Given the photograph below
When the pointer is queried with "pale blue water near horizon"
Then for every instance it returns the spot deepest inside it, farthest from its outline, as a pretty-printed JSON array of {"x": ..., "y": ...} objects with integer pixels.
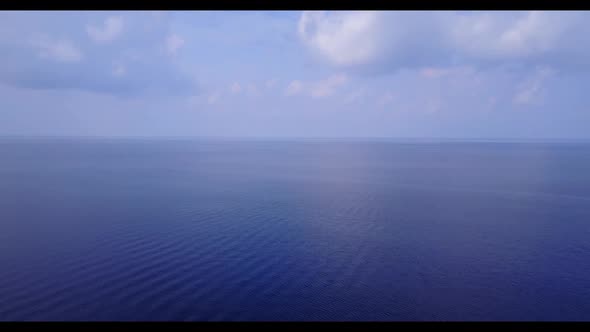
[{"x": 179, "y": 229}]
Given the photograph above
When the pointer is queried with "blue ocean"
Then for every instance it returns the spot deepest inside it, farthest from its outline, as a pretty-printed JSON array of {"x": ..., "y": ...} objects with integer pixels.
[{"x": 333, "y": 230}]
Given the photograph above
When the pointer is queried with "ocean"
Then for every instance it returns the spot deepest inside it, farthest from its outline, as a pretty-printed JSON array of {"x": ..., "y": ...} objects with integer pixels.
[{"x": 196, "y": 229}]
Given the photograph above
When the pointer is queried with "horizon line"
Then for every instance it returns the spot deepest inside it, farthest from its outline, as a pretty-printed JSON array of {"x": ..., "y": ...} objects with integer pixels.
[{"x": 300, "y": 138}]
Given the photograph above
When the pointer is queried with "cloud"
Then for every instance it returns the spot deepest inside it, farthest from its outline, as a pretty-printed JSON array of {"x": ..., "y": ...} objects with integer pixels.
[
  {"x": 58, "y": 50},
  {"x": 109, "y": 31},
  {"x": 119, "y": 70},
  {"x": 327, "y": 87},
  {"x": 213, "y": 98},
  {"x": 271, "y": 83},
  {"x": 173, "y": 44},
  {"x": 135, "y": 67},
  {"x": 317, "y": 89},
  {"x": 386, "y": 98},
  {"x": 387, "y": 41},
  {"x": 529, "y": 91},
  {"x": 235, "y": 87},
  {"x": 340, "y": 38},
  {"x": 430, "y": 72},
  {"x": 295, "y": 87},
  {"x": 519, "y": 35},
  {"x": 252, "y": 90},
  {"x": 357, "y": 39},
  {"x": 355, "y": 96}
]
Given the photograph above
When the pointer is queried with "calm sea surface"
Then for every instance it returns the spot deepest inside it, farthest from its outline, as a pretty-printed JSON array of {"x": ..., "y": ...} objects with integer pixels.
[{"x": 138, "y": 229}]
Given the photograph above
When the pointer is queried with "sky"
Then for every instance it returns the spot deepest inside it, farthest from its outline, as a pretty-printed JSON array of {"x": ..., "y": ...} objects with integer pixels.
[{"x": 404, "y": 74}]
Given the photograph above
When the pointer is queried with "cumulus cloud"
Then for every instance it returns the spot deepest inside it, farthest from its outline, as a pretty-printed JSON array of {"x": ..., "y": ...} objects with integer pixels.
[
  {"x": 529, "y": 92},
  {"x": 353, "y": 39},
  {"x": 385, "y": 99},
  {"x": 393, "y": 40},
  {"x": 430, "y": 72},
  {"x": 355, "y": 96},
  {"x": 137, "y": 69},
  {"x": 327, "y": 87},
  {"x": 213, "y": 98},
  {"x": 520, "y": 35},
  {"x": 271, "y": 83},
  {"x": 252, "y": 89},
  {"x": 235, "y": 87},
  {"x": 58, "y": 50},
  {"x": 173, "y": 44},
  {"x": 295, "y": 87},
  {"x": 341, "y": 38},
  {"x": 119, "y": 70},
  {"x": 108, "y": 31},
  {"x": 317, "y": 89}
]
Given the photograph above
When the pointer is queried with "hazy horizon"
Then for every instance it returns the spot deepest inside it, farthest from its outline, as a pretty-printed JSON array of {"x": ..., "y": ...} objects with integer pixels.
[{"x": 309, "y": 138}]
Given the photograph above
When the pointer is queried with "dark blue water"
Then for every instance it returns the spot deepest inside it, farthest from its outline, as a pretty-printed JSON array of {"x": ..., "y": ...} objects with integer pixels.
[{"x": 99, "y": 229}]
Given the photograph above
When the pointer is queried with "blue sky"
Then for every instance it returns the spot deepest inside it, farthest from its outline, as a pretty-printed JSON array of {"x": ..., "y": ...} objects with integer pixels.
[{"x": 295, "y": 74}]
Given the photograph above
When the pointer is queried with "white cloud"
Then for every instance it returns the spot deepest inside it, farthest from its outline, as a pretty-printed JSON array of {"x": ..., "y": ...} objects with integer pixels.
[
  {"x": 355, "y": 96},
  {"x": 271, "y": 83},
  {"x": 29, "y": 40},
  {"x": 521, "y": 35},
  {"x": 392, "y": 40},
  {"x": 252, "y": 89},
  {"x": 529, "y": 91},
  {"x": 328, "y": 86},
  {"x": 173, "y": 43},
  {"x": 432, "y": 72},
  {"x": 235, "y": 87},
  {"x": 109, "y": 31},
  {"x": 59, "y": 50},
  {"x": 385, "y": 99},
  {"x": 295, "y": 87},
  {"x": 119, "y": 70},
  {"x": 213, "y": 98},
  {"x": 317, "y": 89},
  {"x": 343, "y": 38},
  {"x": 350, "y": 39}
]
